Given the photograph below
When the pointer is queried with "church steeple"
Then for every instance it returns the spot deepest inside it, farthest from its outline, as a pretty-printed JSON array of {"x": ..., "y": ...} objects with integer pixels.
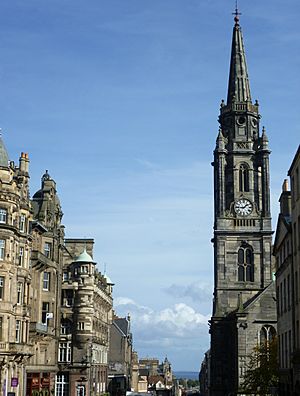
[
  {"x": 241, "y": 182},
  {"x": 238, "y": 85},
  {"x": 242, "y": 230}
]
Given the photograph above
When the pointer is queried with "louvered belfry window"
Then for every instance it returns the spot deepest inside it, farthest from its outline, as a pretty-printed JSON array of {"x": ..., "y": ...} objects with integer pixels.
[{"x": 245, "y": 264}]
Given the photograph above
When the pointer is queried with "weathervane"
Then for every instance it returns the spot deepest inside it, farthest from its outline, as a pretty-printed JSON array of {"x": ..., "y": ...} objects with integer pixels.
[{"x": 236, "y": 13}]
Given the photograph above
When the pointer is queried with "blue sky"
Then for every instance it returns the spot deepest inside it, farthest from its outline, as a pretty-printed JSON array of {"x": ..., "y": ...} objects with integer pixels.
[{"x": 119, "y": 99}]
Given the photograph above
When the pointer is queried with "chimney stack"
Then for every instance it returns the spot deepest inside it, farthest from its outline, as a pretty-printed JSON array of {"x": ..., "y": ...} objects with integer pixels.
[
  {"x": 24, "y": 162},
  {"x": 285, "y": 199}
]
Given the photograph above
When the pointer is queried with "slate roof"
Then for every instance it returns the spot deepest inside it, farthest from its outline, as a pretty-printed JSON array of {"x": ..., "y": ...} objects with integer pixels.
[
  {"x": 282, "y": 220},
  {"x": 294, "y": 161},
  {"x": 143, "y": 372},
  {"x": 270, "y": 289},
  {"x": 154, "y": 379},
  {"x": 123, "y": 325}
]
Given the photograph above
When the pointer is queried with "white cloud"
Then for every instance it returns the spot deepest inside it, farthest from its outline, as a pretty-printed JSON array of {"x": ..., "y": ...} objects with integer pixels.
[
  {"x": 196, "y": 291},
  {"x": 172, "y": 331},
  {"x": 181, "y": 316},
  {"x": 125, "y": 303}
]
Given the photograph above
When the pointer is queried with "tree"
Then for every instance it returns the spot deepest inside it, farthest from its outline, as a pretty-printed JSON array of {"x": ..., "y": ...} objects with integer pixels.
[
  {"x": 262, "y": 370},
  {"x": 192, "y": 383}
]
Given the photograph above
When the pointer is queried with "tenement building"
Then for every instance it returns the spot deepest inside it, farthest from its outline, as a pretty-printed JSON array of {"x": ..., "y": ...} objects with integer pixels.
[
  {"x": 85, "y": 321},
  {"x": 46, "y": 273},
  {"x": 120, "y": 356},
  {"x": 15, "y": 273},
  {"x": 55, "y": 305},
  {"x": 287, "y": 254},
  {"x": 244, "y": 310}
]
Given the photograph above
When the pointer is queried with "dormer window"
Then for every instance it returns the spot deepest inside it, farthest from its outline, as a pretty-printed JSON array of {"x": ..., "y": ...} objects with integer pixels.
[{"x": 3, "y": 216}]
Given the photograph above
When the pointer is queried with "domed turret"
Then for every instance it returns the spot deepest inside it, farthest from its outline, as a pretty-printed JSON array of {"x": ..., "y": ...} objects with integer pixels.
[
  {"x": 46, "y": 204},
  {"x": 84, "y": 257}
]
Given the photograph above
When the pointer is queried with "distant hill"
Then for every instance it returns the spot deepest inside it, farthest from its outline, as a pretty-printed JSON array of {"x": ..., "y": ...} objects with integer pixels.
[{"x": 193, "y": 375}]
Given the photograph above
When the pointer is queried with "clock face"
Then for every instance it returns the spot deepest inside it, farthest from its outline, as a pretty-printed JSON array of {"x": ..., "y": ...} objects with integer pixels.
[{"x": 243, "y": 207}]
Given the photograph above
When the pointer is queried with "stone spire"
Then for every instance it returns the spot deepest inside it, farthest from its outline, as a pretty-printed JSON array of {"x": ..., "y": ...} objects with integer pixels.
[
  {"x": 238, "y": 85},
  {"x": 264, "y": 139},
  {"x": 3, "y": 154},
  {"x": 220, "y": 142}
]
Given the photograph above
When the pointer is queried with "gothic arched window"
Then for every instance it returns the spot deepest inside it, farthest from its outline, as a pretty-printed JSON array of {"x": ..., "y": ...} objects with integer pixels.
[
  {"x": 245, "y": 264},
  {"x": 267, "y": 334},
  {"x": 244, "y": 178}
]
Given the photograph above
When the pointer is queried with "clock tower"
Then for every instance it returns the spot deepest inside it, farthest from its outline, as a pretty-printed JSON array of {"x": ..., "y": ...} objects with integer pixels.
[{"x": 244, "y": 311}]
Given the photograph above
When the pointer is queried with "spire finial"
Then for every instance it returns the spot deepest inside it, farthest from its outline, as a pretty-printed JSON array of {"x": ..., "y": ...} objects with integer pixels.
[
  {"x": 238, "y": 87},
  {"x": 236, "y": 13},
  {"x": 45, "y": 176}
]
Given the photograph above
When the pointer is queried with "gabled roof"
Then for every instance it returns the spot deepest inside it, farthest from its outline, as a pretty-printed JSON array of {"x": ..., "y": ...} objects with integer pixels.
[
  {"x": 294, "y": 161},
  {"x": 122, "y": 325},
  {"x": 250, "y": 303},
  {"x": 154, "y": 379},
  {"x": 283, "y": 226},
  {"x": 108, "y": 280}
]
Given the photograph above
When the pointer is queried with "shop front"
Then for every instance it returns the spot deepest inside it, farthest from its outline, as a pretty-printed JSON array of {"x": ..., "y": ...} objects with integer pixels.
[{"x": 38, "y": 384}]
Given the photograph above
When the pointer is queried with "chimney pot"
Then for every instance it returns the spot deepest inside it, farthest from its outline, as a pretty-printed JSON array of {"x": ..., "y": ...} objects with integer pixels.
[{"x": 285, "y": 185}]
